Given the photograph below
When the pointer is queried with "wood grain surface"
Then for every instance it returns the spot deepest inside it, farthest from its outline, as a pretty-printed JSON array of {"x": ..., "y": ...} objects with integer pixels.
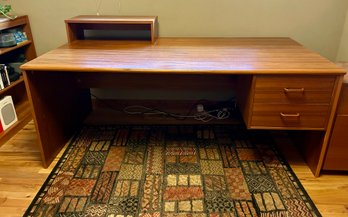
[{"x": 186, "y": 55}]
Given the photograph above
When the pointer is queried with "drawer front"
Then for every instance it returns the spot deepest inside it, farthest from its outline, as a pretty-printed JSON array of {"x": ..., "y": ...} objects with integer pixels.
[
  {"x": 313, "y": 83},
  {"x": 293, "y": 89},
  {"x": 301, "y": 97},
  {"x": 289, "y": 116}
]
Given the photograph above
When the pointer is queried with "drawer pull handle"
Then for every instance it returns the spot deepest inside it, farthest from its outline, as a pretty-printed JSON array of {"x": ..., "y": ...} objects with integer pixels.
[
  {"x": 290, "y": 117},
  {"x": 294, "y": 90}
]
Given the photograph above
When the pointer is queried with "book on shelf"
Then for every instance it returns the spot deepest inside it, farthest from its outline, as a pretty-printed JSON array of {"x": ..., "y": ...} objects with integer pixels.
[
  {"x": 20, "y": 36},
  {"x": 1, "y": 128},
  {"x": 7, "y": 76},
  {"x": 4, "y": 78}
]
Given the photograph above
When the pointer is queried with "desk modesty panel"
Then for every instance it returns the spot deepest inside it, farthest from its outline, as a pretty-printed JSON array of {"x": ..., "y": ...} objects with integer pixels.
[{"x": 280, "y": 84}]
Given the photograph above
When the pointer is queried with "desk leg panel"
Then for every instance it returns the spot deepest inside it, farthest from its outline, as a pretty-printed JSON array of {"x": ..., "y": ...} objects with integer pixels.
[
  {"x": 313, "y": 144},
  {"x": 58, "y": 106}
]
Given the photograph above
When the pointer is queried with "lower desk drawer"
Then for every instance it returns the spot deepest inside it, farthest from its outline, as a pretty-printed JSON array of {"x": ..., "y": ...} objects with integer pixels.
[{"x": 289, "y": 116}]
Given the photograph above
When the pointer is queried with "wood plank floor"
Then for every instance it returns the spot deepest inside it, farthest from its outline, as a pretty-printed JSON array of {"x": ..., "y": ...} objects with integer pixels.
[{"x": 21, "y": 176}]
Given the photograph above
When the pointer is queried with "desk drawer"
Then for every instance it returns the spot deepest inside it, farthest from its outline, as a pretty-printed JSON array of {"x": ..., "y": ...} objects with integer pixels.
[
  {"x": 293, "y": 89},
  {"x": 299, "y": 97},
  {"x": 313, "y": 83},
  {"x": 289, "y": 116}
]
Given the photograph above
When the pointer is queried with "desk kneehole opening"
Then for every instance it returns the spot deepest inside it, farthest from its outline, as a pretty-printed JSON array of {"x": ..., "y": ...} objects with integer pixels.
[{"x": 290, "y": 117}]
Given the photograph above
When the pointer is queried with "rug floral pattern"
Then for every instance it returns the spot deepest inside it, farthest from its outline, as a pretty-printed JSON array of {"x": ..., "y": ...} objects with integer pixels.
[{"x": 181, "y": 171}]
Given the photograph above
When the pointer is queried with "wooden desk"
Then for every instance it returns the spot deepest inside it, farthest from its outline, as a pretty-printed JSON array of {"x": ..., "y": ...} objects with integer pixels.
[{"x": 279, "y": 84}]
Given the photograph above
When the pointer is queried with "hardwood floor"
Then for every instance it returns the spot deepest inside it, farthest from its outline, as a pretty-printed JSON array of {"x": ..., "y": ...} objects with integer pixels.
[
  {"x": 21, "y": 172},
  {"x": 21, "y": 176}
]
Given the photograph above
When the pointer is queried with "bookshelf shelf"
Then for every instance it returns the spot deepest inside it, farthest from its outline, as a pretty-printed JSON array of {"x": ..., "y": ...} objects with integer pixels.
[
  {"x": 8, "y": 49},
  {"x": 19, "y": 21},
  {"x": 17, "y": 88},
  {"x": 12, "y": 85}
]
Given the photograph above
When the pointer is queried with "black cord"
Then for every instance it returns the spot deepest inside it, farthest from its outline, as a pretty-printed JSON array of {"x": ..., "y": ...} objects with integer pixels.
[{"x": 106, "y": 104}]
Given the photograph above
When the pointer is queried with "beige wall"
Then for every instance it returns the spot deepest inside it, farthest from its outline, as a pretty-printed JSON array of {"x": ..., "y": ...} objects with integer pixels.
[
  {"x": 315, "y": 23},
  {"x": 343, "y": 48}
]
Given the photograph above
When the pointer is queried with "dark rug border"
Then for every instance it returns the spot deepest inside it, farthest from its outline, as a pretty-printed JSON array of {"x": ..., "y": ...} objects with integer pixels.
[{"x": 77, "y": 133}]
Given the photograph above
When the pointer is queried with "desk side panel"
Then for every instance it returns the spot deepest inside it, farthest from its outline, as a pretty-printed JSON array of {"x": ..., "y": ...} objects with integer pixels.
[
  {"x": 334, "y": 102},
  {"x": 336, "y": 156},
  {"x": 313, "y": 144},
  {"x": 58, "y": 106},
  {"x": 343, "y": 103},
  {"x": 245, "y": 97}
]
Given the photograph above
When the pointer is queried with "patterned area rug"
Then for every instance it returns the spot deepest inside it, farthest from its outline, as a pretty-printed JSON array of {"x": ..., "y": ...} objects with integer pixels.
[{"x": 182, "y": 171}]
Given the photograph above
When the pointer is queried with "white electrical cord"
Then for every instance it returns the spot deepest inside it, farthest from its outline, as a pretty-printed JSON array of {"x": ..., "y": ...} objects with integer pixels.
[
  {"x": 99, "y": 2},
  {"x": 97, "y": 6},
  {"x": 204, "y": 116},
  {"x": 118, "y": 6}
]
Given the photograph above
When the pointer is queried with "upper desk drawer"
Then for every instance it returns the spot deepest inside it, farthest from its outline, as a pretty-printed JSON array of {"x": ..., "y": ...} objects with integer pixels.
[{"x": 294, "y": 89}]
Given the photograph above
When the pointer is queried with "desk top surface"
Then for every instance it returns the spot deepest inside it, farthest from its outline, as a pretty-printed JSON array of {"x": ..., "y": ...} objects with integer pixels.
[{"x": 186, "y": 56}]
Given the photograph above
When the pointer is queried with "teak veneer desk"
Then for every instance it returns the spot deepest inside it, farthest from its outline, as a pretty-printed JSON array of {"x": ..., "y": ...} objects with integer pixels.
[{"x": 279, "y": 84}]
